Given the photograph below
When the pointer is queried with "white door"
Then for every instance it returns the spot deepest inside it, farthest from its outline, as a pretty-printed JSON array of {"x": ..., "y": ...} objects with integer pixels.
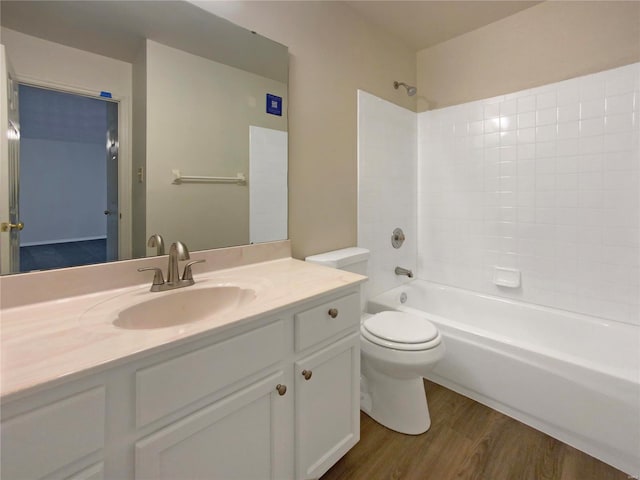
[
  {"x": 327, "y": 406},
  {"x": 245, "y": 436},
  {"x": 10, "y": 224}
]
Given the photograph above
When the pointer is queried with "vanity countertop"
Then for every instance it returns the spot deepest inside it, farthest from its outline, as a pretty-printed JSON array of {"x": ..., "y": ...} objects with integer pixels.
[{"x": 56, "y": 340}]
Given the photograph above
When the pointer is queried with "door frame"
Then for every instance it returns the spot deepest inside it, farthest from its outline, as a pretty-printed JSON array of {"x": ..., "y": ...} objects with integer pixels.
[
  {"x": 10, "y": 252},
  {"x": 124, "y": 151}
]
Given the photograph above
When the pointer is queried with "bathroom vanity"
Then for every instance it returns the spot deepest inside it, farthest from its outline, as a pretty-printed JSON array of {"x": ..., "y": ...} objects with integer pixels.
[{"x": 267, "y": 389}]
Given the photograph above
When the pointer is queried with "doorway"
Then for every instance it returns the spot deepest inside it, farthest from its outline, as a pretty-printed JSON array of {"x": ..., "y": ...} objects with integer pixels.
[{"x": 68, "y": 179}]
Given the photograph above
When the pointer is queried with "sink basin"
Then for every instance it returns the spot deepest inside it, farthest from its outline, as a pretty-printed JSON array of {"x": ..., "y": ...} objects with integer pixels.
[{"x": 179, "y": 307}]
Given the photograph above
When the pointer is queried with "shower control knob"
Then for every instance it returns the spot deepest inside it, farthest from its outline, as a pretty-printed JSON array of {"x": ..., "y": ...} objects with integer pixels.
[
  {"x": 397, "y": 238},
  {"x": 307, "y": 374},
  {"x": 333, "y": 312},
  {"x": 282, "y": 389}
]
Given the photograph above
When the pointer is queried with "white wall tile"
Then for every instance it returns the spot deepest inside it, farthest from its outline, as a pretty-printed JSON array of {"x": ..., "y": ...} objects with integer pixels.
[
  {"x": 560, "y": 198},
  {"x": 569, "y": 112},
  {"x": 546, "y": 116},
  {"x": 568, "y": 94},
  {"x": 617, "y": 123},
  {"x": 619, "y": 103},
  {"x": 592, "y": 108},
  {"x": 569, "y": 130},
  {"x": 547, "y": 133},
  {"x": 526, "y": 104},
  {"x": 546, "y": 100},
  {"x": 591, "y": 86},
  {"x": 567, "y": 146},
  {"x": 592, "y": 126}
]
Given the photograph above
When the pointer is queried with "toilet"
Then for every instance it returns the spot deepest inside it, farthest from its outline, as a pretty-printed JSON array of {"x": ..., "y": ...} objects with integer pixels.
[{"x": 397, "y": 350}]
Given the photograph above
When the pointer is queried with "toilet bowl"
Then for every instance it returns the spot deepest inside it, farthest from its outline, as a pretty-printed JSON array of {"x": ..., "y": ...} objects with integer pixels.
[{"x": 397, "y": 350}]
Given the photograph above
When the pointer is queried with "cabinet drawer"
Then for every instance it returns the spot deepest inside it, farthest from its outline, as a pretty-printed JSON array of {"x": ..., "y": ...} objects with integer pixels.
[
  {"x": 323, "y": 321},
  {"x": 44, "y": 440},
  {"x": 171, "y": 385}
]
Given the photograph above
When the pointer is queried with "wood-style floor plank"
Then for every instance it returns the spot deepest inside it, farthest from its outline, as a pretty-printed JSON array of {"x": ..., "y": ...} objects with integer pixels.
[{"x": 466, "y": 441}]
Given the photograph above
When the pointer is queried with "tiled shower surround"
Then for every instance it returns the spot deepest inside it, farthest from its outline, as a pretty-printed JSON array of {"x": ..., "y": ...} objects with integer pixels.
[
  {"x": 544, "y": 181},
  {"x": 387, "y": 189}
]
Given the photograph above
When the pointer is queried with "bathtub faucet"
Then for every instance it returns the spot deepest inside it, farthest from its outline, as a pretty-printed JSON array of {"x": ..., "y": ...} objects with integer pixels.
[{"x": 404, "y": 271}]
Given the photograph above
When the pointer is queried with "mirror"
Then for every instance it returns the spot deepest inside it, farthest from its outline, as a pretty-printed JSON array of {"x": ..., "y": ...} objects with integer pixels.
[{"x": 191, "y": 112}]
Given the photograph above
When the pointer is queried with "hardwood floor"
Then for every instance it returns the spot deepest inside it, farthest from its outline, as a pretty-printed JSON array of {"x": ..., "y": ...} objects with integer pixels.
[{"x": 466, "y": 441}]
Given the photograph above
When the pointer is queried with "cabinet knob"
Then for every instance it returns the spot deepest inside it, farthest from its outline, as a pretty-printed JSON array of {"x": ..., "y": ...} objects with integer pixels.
[
  {"x": 282, "y": 389},
  {"x": 307, "y": 374},
  {"x": 333, "y": 312}
]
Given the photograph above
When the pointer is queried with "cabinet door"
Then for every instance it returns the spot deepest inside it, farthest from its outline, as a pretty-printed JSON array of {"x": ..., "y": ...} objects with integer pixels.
[
  {"x": 239, "y": 437},
  {"x": 40, "y": 442},
  {"x": 327, "y": 406}
]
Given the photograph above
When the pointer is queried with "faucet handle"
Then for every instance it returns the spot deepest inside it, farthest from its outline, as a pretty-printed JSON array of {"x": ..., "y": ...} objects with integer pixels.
[
  {"x": 158, "y": 278},
  {"x": 188, "y": 274}
]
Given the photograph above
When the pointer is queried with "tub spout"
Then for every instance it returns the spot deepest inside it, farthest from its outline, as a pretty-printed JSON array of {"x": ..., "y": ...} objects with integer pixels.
[{"x": 404, "y": 271}]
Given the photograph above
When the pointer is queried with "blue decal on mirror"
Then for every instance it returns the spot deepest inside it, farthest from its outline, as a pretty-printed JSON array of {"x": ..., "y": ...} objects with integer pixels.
[{"x": 274, "y": 104}]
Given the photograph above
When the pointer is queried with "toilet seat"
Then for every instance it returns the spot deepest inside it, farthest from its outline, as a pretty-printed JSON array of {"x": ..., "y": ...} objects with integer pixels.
[{"x": 400, "y": 331}]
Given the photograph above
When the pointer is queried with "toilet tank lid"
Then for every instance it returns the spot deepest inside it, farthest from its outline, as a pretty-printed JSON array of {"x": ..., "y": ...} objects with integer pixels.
[{"x": 340, "y": 258}]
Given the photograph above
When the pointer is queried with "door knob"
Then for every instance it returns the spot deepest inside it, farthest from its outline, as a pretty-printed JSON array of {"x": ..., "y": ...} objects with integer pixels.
[
  {"x": 282, "y": 389},
  {"x": 333, "y": 312},
  {"x": 307, "y": 374},
  {"x": 7, "y": 227}
]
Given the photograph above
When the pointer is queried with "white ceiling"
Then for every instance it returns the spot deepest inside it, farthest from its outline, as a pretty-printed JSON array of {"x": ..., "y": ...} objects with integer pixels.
[{"x": 421, "y": 24}]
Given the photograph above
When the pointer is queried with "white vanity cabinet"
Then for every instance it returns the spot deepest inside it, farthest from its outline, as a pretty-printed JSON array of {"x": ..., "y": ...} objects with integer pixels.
[{"x": 276, "y": 397}]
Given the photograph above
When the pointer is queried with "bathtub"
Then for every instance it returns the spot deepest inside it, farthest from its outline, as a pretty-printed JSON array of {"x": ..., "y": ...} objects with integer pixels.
[{"x": 574, "y": 377}]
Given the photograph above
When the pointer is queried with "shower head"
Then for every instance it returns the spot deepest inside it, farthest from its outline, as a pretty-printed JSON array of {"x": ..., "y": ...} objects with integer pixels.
[{"x": 411, "y": 91}]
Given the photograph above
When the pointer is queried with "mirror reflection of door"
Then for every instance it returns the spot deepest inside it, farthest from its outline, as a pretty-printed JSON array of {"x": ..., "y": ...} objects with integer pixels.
[
  {"x": 68, "y": 179},
  {"x": 10, "y": 224}
]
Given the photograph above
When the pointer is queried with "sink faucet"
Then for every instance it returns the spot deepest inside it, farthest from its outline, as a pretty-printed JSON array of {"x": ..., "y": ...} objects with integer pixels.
[
  {"x": 404, "y": 271},
  {"x": 177, "y": 252},
  {"x": 156, "y": 241}
]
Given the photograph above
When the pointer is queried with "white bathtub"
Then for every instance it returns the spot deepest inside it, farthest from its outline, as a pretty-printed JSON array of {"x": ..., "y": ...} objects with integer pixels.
[{"x": 574, "y": 377}]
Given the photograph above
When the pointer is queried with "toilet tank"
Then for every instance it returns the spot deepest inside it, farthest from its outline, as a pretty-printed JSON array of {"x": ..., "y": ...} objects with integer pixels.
[{"x": 352, "y": 259}]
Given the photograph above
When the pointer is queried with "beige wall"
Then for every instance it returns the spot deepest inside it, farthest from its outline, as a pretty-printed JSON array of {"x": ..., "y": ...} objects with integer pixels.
[
  {"x": 333, "y": 52},
  {"x": 547, "y": 43}
]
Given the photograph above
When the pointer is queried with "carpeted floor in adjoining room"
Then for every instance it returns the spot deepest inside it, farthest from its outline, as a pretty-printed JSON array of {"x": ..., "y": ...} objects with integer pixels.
[{"x": 60, "y": 255}]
